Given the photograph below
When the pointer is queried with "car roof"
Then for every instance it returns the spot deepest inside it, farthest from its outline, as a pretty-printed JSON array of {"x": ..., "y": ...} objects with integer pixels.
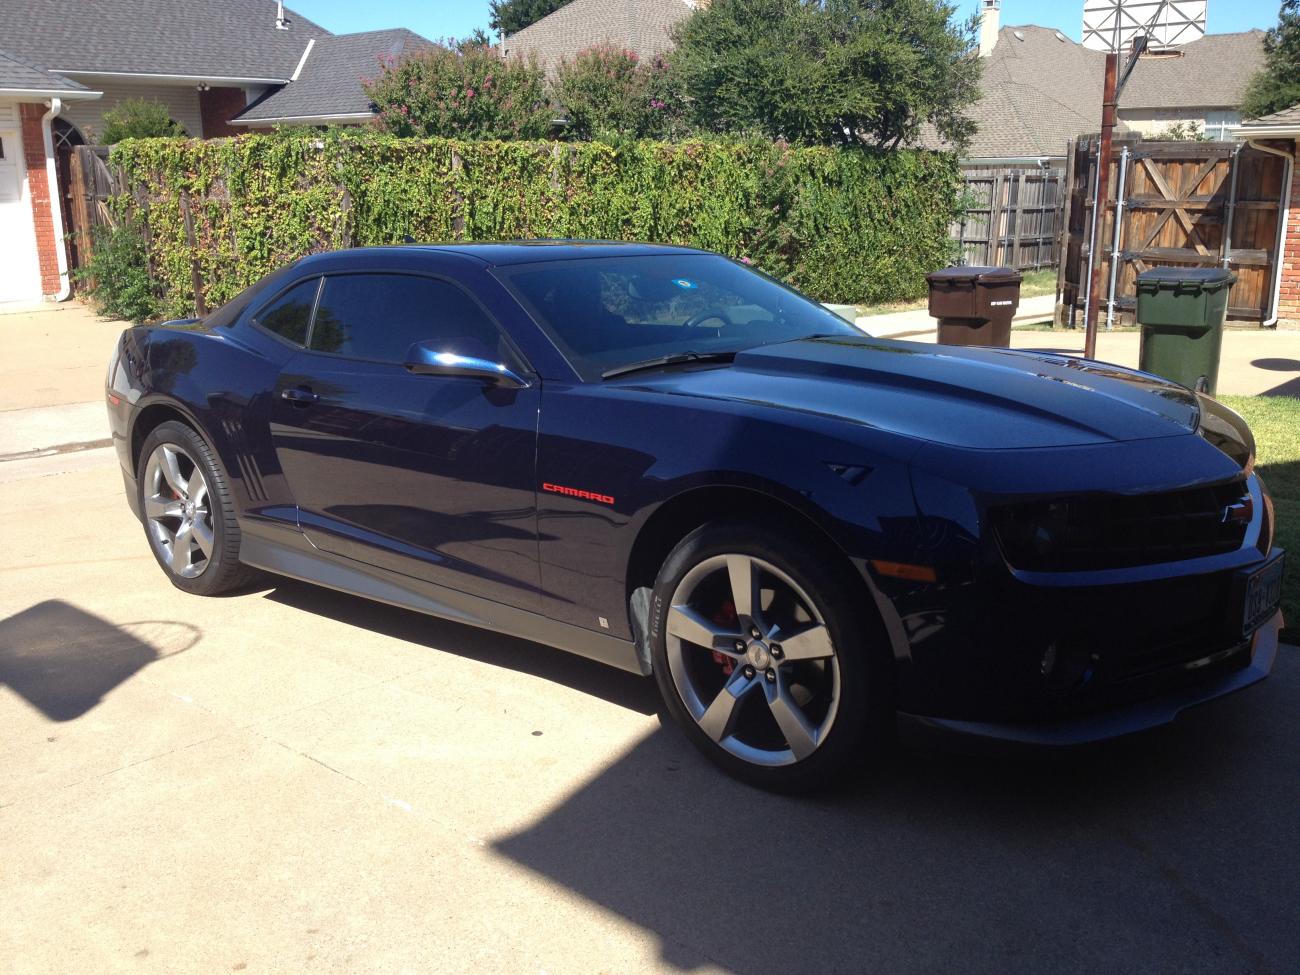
[{"x": 503, "y": 253}]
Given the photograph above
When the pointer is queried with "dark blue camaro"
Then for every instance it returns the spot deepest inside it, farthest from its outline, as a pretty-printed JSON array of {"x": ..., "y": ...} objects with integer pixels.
[{"x": 662, "y": 460}]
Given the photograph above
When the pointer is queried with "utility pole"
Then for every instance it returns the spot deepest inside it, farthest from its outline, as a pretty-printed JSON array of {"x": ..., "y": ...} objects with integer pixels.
[
  {"x": 1112, "y": 25},
  {"x": 1110, "y": 96}
]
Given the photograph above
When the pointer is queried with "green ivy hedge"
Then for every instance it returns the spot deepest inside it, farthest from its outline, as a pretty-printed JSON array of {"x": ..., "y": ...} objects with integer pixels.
[{"x": 843, "y": 225}]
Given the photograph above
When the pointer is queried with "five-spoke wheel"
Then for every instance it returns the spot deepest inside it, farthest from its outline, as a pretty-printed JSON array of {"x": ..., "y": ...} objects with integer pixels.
[
  {"x": 752, "y": 659},
  {"x": 767, "y": 656},
  {"x": 176, "y": 509},
  {"x": 187, "y": 511}
]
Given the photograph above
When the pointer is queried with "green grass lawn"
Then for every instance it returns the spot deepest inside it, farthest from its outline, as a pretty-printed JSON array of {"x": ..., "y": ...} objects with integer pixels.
[
  {"x": 1032, "y": 284},
  {"x": 1275, "y": 421}
]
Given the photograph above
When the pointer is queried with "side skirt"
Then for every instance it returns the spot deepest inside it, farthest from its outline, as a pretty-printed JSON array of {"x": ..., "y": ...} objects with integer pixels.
[{"x": 290, "y": 554}]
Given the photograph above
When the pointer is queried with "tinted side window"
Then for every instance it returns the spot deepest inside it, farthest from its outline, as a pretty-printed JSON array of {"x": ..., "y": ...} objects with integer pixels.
[
  {"x": 380, "y": 316},
  {"x": 288, "y": 315}
]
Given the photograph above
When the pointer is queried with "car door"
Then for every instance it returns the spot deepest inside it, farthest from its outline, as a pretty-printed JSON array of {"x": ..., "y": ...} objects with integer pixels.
[{"x": 432, "y": 476}]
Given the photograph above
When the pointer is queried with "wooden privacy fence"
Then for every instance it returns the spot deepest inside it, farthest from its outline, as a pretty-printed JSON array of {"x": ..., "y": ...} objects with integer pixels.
[
  {"x": 91, "y": 184},
  {"x": 1012, "y": 217},
  {"x": 1180, "y": 204}
]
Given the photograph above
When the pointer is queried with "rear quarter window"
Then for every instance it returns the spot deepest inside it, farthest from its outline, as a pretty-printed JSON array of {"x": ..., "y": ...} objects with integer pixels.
[{"x": 289, "y": 314}]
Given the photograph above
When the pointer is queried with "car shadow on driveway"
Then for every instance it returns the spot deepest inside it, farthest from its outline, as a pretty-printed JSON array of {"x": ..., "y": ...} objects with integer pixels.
[
  {"x": 63, "y": 660},
  {"x": 616, "y": 686},
  {"x": 1163, "y": 852}
]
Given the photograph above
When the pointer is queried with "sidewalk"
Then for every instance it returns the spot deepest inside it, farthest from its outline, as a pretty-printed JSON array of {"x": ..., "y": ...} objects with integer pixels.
[
  {"x": 55, "y": 354},
  {"x": 911, "y": 324}
]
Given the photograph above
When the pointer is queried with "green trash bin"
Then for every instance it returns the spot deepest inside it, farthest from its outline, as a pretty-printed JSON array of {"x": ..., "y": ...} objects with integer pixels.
[{"x": 1181, "y": 311}]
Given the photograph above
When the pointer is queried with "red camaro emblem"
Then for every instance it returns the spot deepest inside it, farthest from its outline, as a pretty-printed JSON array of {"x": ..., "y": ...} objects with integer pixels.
[{"x": 577, "y": 493}]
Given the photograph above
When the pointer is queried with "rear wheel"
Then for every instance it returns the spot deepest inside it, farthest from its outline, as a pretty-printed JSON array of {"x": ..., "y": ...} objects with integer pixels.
[
  {"x": 189, "y": 518},
  {"x": 767, "y": 658}
]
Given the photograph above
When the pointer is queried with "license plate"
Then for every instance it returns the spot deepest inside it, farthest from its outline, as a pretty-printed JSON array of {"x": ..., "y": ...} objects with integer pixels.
[{"x": 1263, "y": 595}]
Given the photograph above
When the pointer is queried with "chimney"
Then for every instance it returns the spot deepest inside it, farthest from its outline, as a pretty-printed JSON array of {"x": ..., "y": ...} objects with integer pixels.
[
  {"x": 282, "y": 22},
  {"x": 990, "y": 14}
]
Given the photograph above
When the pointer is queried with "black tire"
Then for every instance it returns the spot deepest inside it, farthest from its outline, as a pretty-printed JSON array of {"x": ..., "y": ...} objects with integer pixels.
[
  {"x": 222, "y": 571},
  {"x": 862, "y": 727}
]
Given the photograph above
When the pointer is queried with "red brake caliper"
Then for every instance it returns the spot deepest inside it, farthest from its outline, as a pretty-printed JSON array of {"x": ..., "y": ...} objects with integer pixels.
[{"x": 726, "y": 617}]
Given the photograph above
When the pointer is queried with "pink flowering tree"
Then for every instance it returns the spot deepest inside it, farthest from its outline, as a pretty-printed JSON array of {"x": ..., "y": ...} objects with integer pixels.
[
  {"x": 462, "y": 91},
  {"x": 608, "y": 92}
]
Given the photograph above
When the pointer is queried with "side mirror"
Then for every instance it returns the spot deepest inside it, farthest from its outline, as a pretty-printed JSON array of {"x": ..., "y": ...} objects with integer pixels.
[{"x": 426, "y": 359}]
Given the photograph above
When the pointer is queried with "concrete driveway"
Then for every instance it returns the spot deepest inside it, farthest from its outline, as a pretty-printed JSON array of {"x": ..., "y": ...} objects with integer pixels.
[{"x": 294, "y": 780}]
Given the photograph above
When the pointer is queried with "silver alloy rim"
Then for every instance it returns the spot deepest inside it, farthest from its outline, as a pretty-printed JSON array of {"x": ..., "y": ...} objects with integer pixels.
[
  {"x": 177, "y": 510},
  {"x": 753, "y": 660}
]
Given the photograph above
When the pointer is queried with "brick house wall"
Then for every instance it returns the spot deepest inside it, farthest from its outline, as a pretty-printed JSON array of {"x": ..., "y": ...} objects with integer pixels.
[
  {"x": 1288, "y": 301},
  {"x": 218, "y": 106},
  {"x": 39, "y": 189}
]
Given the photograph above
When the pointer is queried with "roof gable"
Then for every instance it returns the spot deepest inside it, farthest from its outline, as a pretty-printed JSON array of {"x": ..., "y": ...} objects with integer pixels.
[
  {"x": 18, "y": 75},
  {"x": 330, "y": 82},
  {"x": 199, "y": 38},
  {"x": 641, "y": 26}
]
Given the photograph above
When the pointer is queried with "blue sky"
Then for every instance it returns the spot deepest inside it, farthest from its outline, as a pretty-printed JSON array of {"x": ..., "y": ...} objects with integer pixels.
[{"x": 456, "y": 18}]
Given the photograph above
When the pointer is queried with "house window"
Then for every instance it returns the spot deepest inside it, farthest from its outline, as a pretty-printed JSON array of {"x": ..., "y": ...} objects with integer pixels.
[{"x": 1217, "y": 125}]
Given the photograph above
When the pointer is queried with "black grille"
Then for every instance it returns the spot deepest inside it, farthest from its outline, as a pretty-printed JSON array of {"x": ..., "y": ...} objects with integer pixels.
[{"x": 1116, "y": 531}]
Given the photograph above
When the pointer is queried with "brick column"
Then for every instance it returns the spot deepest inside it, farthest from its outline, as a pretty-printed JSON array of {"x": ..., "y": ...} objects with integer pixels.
[
  {"x": 1288, "y": 301},
  {"x": 218, "y": 106},
  {"x": 39, "y": 188}
]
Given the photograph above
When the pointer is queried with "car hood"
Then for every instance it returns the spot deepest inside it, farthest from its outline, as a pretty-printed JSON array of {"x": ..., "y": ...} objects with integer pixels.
[{"x": 963, "y": 397}]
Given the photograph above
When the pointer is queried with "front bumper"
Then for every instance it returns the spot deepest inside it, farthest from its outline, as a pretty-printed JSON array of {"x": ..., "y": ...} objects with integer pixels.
[{"x": 1125, "y": 719}]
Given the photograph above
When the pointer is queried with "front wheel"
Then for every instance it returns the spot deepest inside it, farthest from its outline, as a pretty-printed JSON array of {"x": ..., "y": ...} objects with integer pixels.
[{"x": 767, "y": 658}]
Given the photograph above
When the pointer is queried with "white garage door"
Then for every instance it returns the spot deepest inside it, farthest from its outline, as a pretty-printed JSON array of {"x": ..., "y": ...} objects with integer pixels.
[{"x": 20, "y": 278}]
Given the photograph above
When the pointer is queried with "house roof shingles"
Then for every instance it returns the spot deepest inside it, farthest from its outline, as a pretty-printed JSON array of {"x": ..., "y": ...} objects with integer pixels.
[
  {"x": 226, "y": 39},
  {"x": 1213, "y": 71},
  {"x": 1040, "y": 89},
  {"x": 18, "y": 75},
  {"x": 1286, "y": 118},
  {"x": 641, "y": 26},
  {"x": 330, "y": 82}
]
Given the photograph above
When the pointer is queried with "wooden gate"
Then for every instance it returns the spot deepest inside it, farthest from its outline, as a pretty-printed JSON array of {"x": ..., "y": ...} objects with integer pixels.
[
  {"x": 1185, "y": 204},
  {"x": 90, "y": 185},
  {"x": 1012, "y": 217}
]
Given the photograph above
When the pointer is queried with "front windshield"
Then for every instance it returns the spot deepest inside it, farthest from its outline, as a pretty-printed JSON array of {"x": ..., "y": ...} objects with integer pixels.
[{"x": 604, "y": 313}]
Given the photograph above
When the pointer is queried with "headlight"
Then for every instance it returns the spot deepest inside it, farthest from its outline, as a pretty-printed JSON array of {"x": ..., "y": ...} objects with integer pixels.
[{"x": 1227, "y": 431}]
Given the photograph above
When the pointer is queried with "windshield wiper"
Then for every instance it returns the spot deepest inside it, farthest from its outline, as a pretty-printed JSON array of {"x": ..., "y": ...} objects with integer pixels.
[{"x": 672, "y": 359}]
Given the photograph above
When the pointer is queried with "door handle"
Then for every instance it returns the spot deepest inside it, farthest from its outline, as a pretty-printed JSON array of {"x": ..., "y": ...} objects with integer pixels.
[{"x": 298, "y": 396}]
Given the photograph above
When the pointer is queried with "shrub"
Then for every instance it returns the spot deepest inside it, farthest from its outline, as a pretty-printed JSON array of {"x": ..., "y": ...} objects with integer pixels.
[
  {"x": 1179, "y": 132},
  {"x": 116, "y": 279},
  {"x": 463, "y": 92},
  {"x": 829, "y": 72},
  {"x": 608, "y": 92},
  {"x": 138, "y": 118},
  {"x": 848, "y": 225}
]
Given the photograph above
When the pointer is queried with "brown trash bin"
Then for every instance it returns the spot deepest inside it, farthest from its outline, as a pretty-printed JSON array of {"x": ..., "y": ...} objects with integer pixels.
[{"x": 974, "y": 305}]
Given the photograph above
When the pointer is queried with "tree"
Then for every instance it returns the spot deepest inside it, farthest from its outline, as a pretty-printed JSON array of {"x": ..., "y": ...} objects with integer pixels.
[
  {"x": 512, "y": 16},
  {"x": 837, "y": 72},
  {"x": 477, "y": 38},
  {"x": 138, "y": 118},
  {"x": 1277, "y": 84},
  {"x": 608, "y": 92},
  {"x": 465, "y": 93}
]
